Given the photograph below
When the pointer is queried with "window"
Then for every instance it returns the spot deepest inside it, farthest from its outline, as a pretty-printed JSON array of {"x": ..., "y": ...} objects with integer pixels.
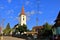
[{"x": 23, "y": 18}]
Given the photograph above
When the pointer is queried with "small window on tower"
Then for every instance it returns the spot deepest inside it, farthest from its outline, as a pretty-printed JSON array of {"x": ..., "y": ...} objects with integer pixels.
[{"x": 23, "y": 18}]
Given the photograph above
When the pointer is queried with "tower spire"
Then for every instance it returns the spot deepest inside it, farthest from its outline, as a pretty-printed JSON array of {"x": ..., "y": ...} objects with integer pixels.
[
  {"x": 22, "y": 17},
  {"x": 22, "y": 12}
]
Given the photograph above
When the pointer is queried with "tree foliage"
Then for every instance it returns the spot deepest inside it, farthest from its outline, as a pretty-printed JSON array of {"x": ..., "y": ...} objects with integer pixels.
[
  {"x": 7, "y": 30},
  {"x": 47, "y": 26},
  {"x": 46, "y": 31},
  {"x": 21, "y": 28}
]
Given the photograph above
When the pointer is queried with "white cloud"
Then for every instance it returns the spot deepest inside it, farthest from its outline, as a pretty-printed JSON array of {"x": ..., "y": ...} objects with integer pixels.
[
  {"x": 17, "y": 18},
  {"x": 18, "y": 13},
  {"x": 51, "y": 22},
  {"x": 9, "y": 1},
  {"x": 28, "y": 13},
  {"x": 28, "y": 18},
  {"x": 40, "y": 12},
  {"x": 27, "y": 2},
  {"x": 10, "y": 11},
  {"x": 11, "y": 17},
  {"x": 32, "y": 12}
]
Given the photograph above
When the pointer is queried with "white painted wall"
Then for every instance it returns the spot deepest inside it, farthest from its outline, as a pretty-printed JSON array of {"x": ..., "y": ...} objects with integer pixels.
[{"x": 21, "y": 19}]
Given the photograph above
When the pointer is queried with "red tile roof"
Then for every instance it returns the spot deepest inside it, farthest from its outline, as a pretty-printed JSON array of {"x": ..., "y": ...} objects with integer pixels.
[
  {"x": 22, "y": 12},
  {"x": 38, "y": 27}
]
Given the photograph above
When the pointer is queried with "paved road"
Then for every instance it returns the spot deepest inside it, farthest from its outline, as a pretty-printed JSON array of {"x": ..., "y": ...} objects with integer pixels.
[{"x": 11, "y": 38}]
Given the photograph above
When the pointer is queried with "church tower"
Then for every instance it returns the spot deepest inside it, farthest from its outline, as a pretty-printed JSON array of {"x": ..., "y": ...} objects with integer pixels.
[{"x": 22, "y": 17}]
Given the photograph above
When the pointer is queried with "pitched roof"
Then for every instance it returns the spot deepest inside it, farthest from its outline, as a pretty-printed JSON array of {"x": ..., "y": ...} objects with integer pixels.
[
  {"x": 22, "y": 12},
  {"x": 38, "y": 27},
  {"x": 57, "y": 21},
  {"x": 58, "y": 17}
]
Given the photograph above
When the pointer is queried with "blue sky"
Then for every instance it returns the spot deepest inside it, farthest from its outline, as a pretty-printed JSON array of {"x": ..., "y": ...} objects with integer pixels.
[{"x": 45, "y": 10}]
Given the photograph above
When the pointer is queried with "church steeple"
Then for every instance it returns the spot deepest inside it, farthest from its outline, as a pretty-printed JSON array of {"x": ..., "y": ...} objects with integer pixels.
[
  {"x": 22, "y": 17},
  {"x": 22, "y": 12}
]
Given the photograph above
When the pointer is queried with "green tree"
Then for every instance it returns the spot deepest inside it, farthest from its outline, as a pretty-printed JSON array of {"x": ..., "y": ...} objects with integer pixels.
[
  {"x": 22, "y": 28},
  {"x": 8, "y": 26},
  {"x": 47, "y": 29},
  {"x": 47, "y": 26},
  {"x": 7, "y": 30}
]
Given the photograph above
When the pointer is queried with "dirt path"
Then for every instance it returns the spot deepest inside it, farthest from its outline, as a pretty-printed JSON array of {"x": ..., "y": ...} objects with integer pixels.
[{"x": 11, "y": 38}]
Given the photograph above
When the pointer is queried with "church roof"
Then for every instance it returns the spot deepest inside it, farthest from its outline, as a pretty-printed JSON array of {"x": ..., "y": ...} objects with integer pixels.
[
  {"x": 38, "y": 27},
  {"x": 22, "y": 12},
  {"x": 58, "y": 17},
  {"x": 57, "y": 21}
]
